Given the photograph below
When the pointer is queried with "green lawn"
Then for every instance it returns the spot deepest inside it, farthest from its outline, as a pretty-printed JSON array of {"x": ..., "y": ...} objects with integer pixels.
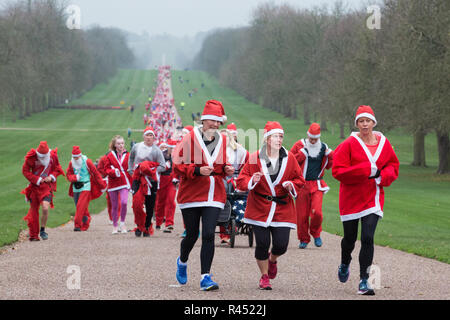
[{"x": 416, "y": 211}]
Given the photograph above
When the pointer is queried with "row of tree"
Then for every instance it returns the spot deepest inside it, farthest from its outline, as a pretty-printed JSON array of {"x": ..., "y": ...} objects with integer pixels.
[
  {"x": 325, "y": 63},
  {"x": 43, "y": 62}
]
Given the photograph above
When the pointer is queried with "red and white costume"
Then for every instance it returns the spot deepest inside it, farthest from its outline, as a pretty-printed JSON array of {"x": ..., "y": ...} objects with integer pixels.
[
  {"x": 200, "y": 191},
  {"x": 165, "y": 199},
  {"x": 101, "y": 169},
  {"x": 117, "y": 171},
  {"x": 353, "y": 165},
  {"x": 261, "y": 211},
  {"x": 97, "y": 187},
  {"x": 34, "y": 171},
  {"x": 309, "y": 204},
  {"x": 145, "y": 173}
]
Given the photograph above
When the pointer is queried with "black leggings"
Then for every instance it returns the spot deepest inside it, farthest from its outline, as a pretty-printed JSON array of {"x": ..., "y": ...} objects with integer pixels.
[
  {"x": 191, "y": 217},
  {"x": 280, "y": 236},
  {"x": 368, "y": 226},
  {"x": 150, "y": 204}
]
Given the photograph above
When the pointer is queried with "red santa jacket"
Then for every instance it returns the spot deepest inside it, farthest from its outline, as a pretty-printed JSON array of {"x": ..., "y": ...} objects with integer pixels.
[
  {"x": 195, "y": 190},
  {"x": 117, "y": 171},
  {"x": 298, "y": 149},
  {"x": 261, "y": 211},
  {"x": 145, "y": 173},
  {"x": 98, "y": 185},
  {"x": 33, "y": 171},
  {"x": 353, "y": 165}
]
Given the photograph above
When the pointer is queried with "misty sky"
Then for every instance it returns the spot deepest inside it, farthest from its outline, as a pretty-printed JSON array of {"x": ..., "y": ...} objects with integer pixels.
[{"x": 179, "y": 17}]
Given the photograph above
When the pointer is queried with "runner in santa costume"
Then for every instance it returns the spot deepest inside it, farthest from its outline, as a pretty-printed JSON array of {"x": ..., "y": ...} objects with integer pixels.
[
  {"x": 86, "y": 185},
  {"x": 144, "y": 178},
  {"x": 119, "y": 182},
  {"x": 314, "y": 157},
  {"x": 273, "y": 178},
  {"x": 146, "y": 185},
  {"x": 365, "y": 163},
  {"x": 200, "y": 161},
  {"x": 101, "y": 169},
  {"x": 232, "y": 129},
  {"x": 165, "y": 200},
  {"x": 41, "y": 168}
]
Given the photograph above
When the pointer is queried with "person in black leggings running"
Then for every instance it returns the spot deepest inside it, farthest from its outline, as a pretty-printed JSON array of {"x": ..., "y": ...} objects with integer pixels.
[
  {"x": 200, "y": 162},
  {"x": 364, "y": 164},
  {"x": 272, "y": 176}
]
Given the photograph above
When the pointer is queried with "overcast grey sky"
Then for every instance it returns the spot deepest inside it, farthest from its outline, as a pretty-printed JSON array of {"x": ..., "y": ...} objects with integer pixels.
[{"x": 179, "y": 17}]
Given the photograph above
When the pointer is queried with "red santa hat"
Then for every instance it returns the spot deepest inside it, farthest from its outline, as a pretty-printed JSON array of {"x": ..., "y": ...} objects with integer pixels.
[
  {"x": 232, "y": 128},
  {"x": 149, "y": 130},
  {"x": 367, "y": 112},
  {"x": 76, "y": 152},
  {"x": 272, "y": 127},
  {"x": 43, "y": 149},
  {"x": 314, "y": 131},
  {"x": 214, "y": 111},
  {"x": 171, "y": 143}
]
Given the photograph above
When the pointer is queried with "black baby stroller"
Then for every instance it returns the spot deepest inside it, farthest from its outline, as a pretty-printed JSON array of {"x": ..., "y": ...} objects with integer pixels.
[{"x": 231, "y": 217}]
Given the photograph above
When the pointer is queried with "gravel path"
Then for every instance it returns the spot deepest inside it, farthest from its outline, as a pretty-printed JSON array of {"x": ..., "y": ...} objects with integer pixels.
[{"x": 125, "y": 267}]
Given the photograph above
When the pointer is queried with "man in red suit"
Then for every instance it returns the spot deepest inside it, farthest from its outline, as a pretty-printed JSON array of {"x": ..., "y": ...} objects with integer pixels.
[
  {"x": 165, "y": 199},
  {"x": 314, "y": 157},
  {"x": 41, "y": 168}
]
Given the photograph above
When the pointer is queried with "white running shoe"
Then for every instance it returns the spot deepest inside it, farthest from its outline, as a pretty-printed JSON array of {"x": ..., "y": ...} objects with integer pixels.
[
  {"x": 122, "y": 228},
  {"x": 115, "y": 230}
]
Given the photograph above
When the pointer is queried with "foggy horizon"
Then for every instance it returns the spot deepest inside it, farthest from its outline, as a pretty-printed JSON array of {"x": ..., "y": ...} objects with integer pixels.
[{"x": 180, "y": 18}]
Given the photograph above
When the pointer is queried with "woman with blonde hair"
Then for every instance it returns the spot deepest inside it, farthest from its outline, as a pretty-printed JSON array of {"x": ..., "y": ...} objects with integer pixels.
[{"x": 116, "y": 168}]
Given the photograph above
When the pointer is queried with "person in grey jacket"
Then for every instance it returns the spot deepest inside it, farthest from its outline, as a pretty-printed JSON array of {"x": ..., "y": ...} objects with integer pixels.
[{"x": 147, "y": 150}]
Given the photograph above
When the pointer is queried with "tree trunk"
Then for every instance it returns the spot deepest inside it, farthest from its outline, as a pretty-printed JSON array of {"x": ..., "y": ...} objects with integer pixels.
[
  {"x": 444, "y": 152},
  {"x": 306, "y": 116},
  {"x": 419, "y": 149},
  {"x": 323, "y": 124},
  {"x": 342, "y": 130}
]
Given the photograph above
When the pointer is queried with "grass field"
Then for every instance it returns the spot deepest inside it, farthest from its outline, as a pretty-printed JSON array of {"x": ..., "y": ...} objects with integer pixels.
[{"x": 417, "y": 205}]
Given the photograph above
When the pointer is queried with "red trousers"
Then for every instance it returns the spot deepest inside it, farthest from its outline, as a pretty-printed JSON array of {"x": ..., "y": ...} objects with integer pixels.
[
  {"x": 82, "y": 216},
  {"x": 108, "y": 205},
  {"x": 32, "y": 217},
  {"x": 165, "y": 201},
  {"x": 309, "y": 212}
]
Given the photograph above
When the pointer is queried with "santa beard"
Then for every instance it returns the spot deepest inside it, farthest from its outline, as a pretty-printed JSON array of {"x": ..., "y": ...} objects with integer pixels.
[
  {"x": 313, "y": 149},
  {"x": 44, "y": 160},
  {"x": 76, "y": 164}
]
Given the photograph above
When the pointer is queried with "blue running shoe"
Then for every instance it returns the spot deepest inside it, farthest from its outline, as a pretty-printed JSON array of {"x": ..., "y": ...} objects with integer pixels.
[
  {"x": 318, "y": 242},
  {"x": 44, "y": 235},
  {"x": 302, "y": 245},
  {"x": 183, "y": 235},
  {"x": 207, "y": 284},
  {"x": 365, "y": 289},
  {"x": 181, "y": 272},
  {"x": 343, "y": 272}
]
